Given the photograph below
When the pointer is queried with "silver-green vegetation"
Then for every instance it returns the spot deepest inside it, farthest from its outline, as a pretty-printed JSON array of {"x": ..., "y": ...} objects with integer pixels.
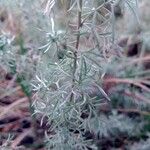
[{"x": 80, "y": 50}]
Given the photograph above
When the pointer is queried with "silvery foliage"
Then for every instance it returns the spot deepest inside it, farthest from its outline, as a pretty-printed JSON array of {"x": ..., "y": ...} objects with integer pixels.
[
  {"x": 67, "y": 83},
  {"x": 16, "y": 50},
  {"x": 11, "y": 58}
]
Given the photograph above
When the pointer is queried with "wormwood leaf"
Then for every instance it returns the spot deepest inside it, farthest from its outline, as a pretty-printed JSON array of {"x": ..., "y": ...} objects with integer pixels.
[
  {"x": 93, "y": 61},
  {"x": 83, "y": 70},
  {"x": 103, "y": 92}
]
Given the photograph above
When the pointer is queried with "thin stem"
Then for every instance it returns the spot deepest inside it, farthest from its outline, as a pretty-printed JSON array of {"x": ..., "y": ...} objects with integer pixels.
[{"x": 77, "y": 47}]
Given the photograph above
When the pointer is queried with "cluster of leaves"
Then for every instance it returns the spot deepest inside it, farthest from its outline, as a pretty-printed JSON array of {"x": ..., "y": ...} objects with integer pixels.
[{"x": 69, "y": 77}]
